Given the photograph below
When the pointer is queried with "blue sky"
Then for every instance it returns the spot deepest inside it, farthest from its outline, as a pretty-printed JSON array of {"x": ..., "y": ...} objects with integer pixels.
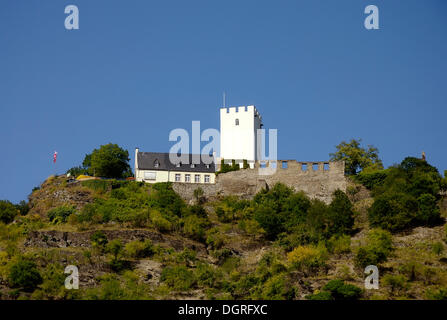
[{"x": 137, "y": 69}]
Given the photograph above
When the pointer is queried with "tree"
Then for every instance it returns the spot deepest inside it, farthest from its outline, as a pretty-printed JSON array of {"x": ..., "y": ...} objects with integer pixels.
[
  {"x": 24, "y": 274},
  {"x": 109, "y": 161},
  {"x": 8, "y": 211},
  {"x": 357, "y": 158}
]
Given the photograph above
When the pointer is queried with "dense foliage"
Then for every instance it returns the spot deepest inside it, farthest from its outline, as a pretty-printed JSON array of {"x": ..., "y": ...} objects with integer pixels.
[
  {"x": 407, "y": 196},
  {"x": 356, "y": 157},
  {"x": 109, "y": 161}
]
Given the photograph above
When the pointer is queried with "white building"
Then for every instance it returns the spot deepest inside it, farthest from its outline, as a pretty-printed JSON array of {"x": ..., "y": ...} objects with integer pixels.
[
  {"x": 238, "y": 133},
  {"x": 155, "y": 167}
]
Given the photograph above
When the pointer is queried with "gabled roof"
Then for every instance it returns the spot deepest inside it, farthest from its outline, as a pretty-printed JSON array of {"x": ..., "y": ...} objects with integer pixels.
[{"x": 148, "y": 161}]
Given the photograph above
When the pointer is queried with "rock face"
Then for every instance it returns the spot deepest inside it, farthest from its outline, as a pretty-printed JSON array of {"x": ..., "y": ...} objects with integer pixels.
[
  {"x": 61, "y": 239},
  {"x": 319, "y": 181}
]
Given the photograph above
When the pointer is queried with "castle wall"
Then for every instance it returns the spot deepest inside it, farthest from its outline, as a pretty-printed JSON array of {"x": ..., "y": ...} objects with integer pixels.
[{"x": 319, "y": 181}]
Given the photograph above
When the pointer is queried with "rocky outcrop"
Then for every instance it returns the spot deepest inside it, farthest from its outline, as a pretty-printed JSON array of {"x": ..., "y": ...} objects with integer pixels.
[{"x": 62, "y": 239}]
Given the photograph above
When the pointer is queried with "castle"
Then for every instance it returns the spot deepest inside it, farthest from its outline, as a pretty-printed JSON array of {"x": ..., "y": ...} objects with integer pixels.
[{"x": 239, "y": 145}]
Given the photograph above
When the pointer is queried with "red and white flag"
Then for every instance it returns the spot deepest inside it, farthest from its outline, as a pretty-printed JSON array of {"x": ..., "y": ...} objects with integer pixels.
[{"x": 54, "y": 156}]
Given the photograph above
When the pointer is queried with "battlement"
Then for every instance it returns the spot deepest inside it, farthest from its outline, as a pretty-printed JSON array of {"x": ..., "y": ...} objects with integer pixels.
[
  {"x": 292, "y": 166},
  {"x": 240, "y": 109}
]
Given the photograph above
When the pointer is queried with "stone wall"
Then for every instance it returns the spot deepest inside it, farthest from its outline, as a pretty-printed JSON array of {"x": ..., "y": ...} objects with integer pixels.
[{"x": 319, "y": 180}]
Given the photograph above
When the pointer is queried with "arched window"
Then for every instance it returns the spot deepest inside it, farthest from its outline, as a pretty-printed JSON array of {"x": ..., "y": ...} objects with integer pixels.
[
  {"x": 237, "y": 122},
  {"x": 156, "y": 163}
]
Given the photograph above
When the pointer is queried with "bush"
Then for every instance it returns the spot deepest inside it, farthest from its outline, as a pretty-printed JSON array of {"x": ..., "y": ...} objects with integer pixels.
[
  {"x": 337, "y": 290},
  {"x": 440, "y": 294},
  {"x": 99, "y": 240},
  {"x": 7, "y": 211},
  {"x": 139, "y": 249},
  {"x": 160, "y": 222},
  {"x": 342, "y": 291},
  {"x": 340, "y": 214},
  {"x": 377, "y": 249},
  {"x": 308, "y": 257},
  {"x": 60, "y": 214},
  {"x": 438, "y": 248},
  {"x": 395, "y": 283},
  {"x": 371, "y": 179},
  {"x": 278, "y": 288},
  {"x": 321, "y": 295},
  {"x": 194, "y": 227},
  {"x": 407, "y": 197},
  {"x": 339, "y": 244},
  {"x": 178, "y": 277},
  {"x": 24, "y": 274}
]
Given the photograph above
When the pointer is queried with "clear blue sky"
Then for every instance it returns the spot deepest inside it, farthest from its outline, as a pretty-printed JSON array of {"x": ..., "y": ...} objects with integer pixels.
[{"x": 137, "y": 69}]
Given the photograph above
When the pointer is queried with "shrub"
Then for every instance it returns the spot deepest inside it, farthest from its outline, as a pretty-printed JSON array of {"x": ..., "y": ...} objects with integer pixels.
[
  {"x": 342, "y": 291},
  {"x": 278, "y": 288},
  {"x": 340, "y": 214},
  {"x": 308, "y": 257},
  {"x": 320, "y": 295},
  {"x": 377, "y": 249},
  {"x": 60, "y": 214},
  {"x": 24, "y": 274},
  {"x": 395, "y": 283},
  {"x": 440, "y": 294},
  {"x": 139, "y": 249},
  {"x": 178, "y": 277},
  {"x": 337, "y": 290},
  {"x": 438, "y": 248},
  {"x": 160, "y": 222},
  {"x": 99, "y": 240},
  {"x": 393, "y": 211},
  {"x": 371, "y": 179},
  {"x": 215, "y": 239},
  {"x": 194, "y": 227},
  {"x": 339, "y": 244},
  {"x": 7, "y": 211},
  {"x": 208, "y": 276}
]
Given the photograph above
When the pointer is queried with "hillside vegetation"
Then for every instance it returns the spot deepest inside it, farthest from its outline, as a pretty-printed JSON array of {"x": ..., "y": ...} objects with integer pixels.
[{"x": 131, "y": 240}]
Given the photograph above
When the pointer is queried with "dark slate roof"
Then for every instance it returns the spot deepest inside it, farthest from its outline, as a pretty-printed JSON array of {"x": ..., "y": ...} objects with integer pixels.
[{"x": 147, "y": 160}]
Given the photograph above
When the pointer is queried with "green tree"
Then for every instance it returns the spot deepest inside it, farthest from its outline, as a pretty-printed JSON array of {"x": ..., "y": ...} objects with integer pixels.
[
  {"x": 24, "y": 274},
  {"x": 8, "y": 211},
  {"x": 356, "y": 157},
  {"x": 109, "y": 161}
]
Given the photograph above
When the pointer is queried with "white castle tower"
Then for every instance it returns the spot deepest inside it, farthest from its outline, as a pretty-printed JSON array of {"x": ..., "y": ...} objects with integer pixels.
[{"x": 238, "y": 128}]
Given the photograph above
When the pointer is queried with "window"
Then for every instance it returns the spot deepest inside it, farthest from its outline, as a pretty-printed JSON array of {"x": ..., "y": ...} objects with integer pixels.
[
  {"x": 207, "y": 166},
  {"x": 150, "y": 176},
  {"x": 207, "y": 178},
  {"x": 156, "y": 163},
  {"x": 285, "y": 165},
  {"x": 197, "y": 178},
  {"x": 263, "y": 164},
  {"x": 237, "y": 122},
  {"x": 304, "y": 166},
  {"x": 193, "y": 165},
  {"x": 178, "y": 164},
  {"x": 315, "y": 166},
  {"x": 177, "y": 177},
  {"x": 187, "y": 178},
  {"x": 326, "y": 167}
]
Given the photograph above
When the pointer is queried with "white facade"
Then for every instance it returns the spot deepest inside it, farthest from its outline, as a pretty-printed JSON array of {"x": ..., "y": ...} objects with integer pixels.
[
  {"x": 238, "y": 130},
  {"x": 161, "y": 173},
  {"x": 154, "y": 176}
]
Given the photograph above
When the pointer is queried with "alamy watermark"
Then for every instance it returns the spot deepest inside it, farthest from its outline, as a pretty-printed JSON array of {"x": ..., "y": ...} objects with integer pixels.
[{"x": 184, "y": 152}]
